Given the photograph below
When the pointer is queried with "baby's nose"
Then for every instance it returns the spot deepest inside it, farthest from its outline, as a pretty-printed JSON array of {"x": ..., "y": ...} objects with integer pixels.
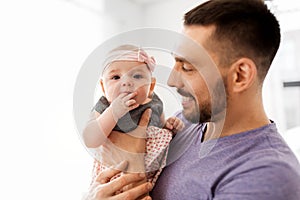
[{"x": 127, "y": 82}]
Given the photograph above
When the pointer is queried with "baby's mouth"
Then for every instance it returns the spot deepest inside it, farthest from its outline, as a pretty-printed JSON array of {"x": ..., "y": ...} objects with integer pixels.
[{"x": 127, "y": 92}]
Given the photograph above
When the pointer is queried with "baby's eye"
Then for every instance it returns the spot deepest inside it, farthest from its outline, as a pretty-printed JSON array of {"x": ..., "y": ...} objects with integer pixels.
[
  {"x": 115, "y": 77},
  {"x": 137, "y": 76}
]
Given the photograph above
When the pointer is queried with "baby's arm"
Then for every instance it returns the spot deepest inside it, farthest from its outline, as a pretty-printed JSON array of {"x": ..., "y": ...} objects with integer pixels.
[
  {"x": 174, "y": 124},
  {"x": 100, "y": 126}
]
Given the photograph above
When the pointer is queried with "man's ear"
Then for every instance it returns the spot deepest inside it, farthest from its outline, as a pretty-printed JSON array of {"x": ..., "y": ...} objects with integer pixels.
[
  {"x": 102, "y": 86},
  {"x": 152, "y": 86},
  {"x": 243, "y": 74}
]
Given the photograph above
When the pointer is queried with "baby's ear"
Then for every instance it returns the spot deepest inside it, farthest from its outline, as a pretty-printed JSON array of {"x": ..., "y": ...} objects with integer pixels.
[
  {"x": 102, "y": 86},
  {"x": 152, "y": 86}
]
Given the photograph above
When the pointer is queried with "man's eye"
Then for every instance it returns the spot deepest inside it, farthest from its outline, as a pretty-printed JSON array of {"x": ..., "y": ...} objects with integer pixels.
[
  {"x": 186, "y": 68},
  {"x": 116, "y": 77},
  {"x": 137, "y": 76}
]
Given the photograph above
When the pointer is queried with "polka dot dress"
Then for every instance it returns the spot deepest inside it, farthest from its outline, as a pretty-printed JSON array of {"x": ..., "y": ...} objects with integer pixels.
[{"x": 157, "y": 143}]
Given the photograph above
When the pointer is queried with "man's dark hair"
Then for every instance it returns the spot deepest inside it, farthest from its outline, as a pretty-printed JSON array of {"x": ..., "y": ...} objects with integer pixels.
[{"x": 244, "y": 28}]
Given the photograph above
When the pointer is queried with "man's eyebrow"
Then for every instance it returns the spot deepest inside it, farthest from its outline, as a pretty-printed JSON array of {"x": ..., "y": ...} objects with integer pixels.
[{"x": 179, "y": 58}]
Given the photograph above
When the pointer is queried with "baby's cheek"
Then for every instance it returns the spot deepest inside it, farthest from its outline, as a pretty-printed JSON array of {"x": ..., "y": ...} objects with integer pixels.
[
  {"x": 111, "y": 97},
  {"x": 141, "y": 97}
]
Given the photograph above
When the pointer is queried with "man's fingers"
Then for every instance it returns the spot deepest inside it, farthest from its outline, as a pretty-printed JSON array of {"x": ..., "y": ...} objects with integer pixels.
[
  {"x": 124, "y": 180},
  {"x": 136, "y": 192},
  {"x": 140, "y": 131},
  {"x": 147, "y": 198},
  {"x": 145, "y": 118},
  {"x": 107, "y": 174}
]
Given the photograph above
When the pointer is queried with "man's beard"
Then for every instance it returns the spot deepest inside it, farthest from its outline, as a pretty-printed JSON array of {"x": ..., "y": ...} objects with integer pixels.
[
  {"x": 205, "y": 112},
  {"x": 199, "y": 116}
]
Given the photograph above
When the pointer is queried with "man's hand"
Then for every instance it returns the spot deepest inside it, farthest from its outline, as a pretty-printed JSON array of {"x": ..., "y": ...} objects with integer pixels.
[
  {"x": 102, "y": 189},
  {"x": 130, "y": 146}
]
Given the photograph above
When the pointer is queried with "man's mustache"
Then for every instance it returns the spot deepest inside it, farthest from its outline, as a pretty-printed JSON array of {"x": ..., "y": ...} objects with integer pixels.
[{"x": 184, "y": 93}]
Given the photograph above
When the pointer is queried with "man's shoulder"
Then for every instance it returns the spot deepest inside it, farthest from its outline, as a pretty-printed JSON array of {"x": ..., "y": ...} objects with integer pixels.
[{"x": 268, "y": 176}]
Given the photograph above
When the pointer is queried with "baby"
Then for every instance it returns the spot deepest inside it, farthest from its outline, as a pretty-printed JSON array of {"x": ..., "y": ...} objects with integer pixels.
[{"x": 128, "y": 88}]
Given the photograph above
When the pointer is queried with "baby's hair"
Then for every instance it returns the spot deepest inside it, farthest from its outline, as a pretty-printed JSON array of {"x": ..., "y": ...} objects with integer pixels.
[
  {"x": 128, "y": 52},
  {"x": 128, "y": 47}
]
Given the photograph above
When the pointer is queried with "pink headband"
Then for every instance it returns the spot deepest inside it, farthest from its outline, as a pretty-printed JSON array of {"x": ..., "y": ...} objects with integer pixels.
[{"x": 129, "y": 55}]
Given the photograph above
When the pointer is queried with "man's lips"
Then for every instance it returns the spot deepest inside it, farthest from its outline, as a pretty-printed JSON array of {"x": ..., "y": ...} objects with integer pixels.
[{"x": 187, "y": 98}]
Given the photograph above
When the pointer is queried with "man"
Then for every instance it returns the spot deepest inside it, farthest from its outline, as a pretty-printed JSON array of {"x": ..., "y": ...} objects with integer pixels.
[
  {"x": 241, "y": 155},
  {"x": 249, "y": 159}
]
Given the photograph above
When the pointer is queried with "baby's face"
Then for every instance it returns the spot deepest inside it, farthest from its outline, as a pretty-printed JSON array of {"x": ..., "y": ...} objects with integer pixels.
[{"x": 127, "y": 77}]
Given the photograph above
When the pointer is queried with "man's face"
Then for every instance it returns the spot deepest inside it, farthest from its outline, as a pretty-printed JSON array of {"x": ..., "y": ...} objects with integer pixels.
[{"x": 199, "y": 101}]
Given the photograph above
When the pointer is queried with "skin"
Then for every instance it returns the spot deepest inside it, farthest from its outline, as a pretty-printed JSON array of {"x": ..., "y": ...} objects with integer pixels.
[
  {"x": 126, "y": 85},
  {"x": 102, "y": 189},
  {"x": 243, "y": 92},
  {"x": 241, "y": 83},
  {"x": 241, "y": 107},
  {"x": 127, "y": 77}
]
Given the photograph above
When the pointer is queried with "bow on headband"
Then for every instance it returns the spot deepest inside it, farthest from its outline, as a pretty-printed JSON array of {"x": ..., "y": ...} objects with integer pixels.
[{"x": 129, "y": 55}]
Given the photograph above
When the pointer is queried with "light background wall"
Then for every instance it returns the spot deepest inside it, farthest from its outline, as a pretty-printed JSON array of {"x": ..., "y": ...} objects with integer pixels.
[{"x": 43, "y": 44}]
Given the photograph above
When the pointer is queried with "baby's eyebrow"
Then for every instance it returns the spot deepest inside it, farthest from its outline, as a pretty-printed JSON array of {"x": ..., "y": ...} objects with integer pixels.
[
  {"x": 113, "y": 71},
  {"x": 138, "y": 70}
]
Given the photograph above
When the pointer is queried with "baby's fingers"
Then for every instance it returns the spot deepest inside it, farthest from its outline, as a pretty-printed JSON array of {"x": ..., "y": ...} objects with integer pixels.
[
  {"x": 129, "y": 96},
  {"x": 168, "y": 125},
  {"x": 179, "y": 125},
  {"x": 131, "y": 104},
  {"x": 176, "y": 122}
]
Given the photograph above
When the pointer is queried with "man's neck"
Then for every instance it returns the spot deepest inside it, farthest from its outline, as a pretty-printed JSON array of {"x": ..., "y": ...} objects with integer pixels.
[{"x": 231, "y": 125}]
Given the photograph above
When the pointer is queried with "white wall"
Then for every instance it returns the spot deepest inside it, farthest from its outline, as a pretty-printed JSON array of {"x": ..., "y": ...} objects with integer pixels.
[
  {"x": 43, "y": 45},
  {"x": 169, "y": 14},
  {"x": 125, "y": 15}
]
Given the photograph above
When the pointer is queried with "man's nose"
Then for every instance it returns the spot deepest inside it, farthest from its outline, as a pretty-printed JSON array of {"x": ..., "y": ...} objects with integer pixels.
[{"x": 175, "y": 79}]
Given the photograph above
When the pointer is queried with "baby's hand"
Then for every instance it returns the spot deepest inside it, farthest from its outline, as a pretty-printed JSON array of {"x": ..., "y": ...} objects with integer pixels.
[
  {"x": 174, "y": 124},
  {"x": 123, "y": 104}
]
